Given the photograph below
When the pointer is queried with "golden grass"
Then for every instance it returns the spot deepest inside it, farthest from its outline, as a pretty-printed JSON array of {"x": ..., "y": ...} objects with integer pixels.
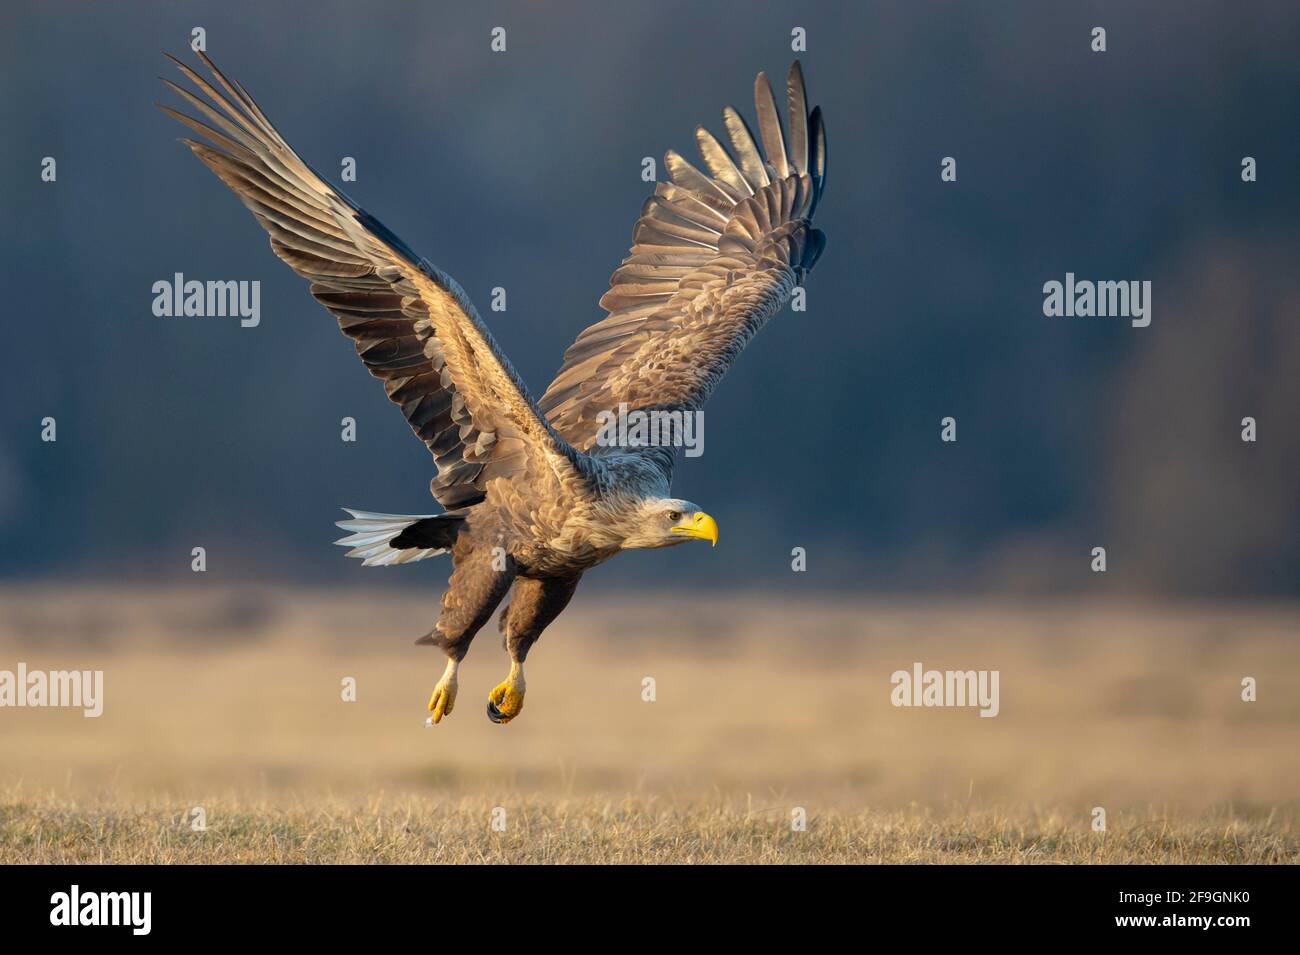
[
  {"x": 231, "y": 701},
  {"x": 593, "y": 829}
]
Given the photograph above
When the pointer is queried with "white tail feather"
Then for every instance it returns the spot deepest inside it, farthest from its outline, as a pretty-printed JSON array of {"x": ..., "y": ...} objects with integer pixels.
[{"x": 372, "y": 532}]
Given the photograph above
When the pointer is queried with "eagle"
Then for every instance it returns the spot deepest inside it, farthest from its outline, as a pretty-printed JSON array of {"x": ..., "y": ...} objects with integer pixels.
[{"x": 532, "y": 492}]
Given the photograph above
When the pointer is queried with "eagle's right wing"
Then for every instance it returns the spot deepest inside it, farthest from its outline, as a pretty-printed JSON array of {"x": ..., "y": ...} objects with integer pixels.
[{"x": 414, "y": 327}]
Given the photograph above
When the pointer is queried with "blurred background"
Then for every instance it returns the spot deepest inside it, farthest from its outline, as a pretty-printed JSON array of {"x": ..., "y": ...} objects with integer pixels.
[{"x": 522, "y": 170}]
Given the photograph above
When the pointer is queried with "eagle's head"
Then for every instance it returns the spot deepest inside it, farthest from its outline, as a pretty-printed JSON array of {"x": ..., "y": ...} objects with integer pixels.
[{"x": 663, "y": 522}]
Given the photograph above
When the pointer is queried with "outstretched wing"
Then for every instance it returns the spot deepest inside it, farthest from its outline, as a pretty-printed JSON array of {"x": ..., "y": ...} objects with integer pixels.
[
  {"x": 413, "y": 326},
  {"x": 713, "y": 258}
]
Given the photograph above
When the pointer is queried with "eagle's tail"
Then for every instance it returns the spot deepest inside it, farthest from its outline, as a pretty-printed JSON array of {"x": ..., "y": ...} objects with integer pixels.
[{"x": 381, "y": 540}]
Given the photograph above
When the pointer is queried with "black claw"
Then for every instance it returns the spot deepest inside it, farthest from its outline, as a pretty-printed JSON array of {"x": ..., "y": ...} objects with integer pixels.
[{"x": 493, "y": 713}]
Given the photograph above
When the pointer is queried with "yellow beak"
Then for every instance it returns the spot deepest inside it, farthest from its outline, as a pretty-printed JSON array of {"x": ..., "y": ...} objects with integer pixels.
[{"x": 699, "y": 525}]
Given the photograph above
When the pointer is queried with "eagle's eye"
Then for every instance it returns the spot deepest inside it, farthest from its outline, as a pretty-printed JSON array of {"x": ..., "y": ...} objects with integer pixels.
[{"x": 674, "y": 516}]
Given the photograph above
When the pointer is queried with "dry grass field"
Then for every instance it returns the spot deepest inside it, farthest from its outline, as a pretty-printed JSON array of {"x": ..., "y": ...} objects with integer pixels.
[{"x": 231, "y": 701}]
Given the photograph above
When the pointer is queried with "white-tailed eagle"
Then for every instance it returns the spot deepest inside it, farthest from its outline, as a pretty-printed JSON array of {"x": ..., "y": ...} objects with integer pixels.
[{"x": 531, "y": 497}]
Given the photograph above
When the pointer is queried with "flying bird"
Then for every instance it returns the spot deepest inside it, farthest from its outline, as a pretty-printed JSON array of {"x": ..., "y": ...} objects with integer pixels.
[{"x": 531, "y": 496}]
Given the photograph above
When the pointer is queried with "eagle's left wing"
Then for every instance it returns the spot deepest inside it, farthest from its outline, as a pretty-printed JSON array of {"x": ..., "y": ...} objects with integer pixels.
[{"x": 713, "y": 258}]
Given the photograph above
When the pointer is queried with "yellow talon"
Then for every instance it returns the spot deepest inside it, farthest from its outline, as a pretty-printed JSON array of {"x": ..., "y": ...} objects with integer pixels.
[
  {"x": 441, "y": 702},
  {"x": 507, "y": 698},
  {"x": 444, "y": 694}
]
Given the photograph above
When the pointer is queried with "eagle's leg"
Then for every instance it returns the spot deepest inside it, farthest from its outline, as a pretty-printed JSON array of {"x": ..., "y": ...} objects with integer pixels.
[
  {"x": 444, "y": 694},
  {"x": 535, "y": 603},
  {"x": 477, "y": 585}
]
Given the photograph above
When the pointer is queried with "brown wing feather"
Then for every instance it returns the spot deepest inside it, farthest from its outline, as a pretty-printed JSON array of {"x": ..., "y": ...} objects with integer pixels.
[
  {"x": 413, "y": 326},
  {"x": 712, "y": 261}
]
